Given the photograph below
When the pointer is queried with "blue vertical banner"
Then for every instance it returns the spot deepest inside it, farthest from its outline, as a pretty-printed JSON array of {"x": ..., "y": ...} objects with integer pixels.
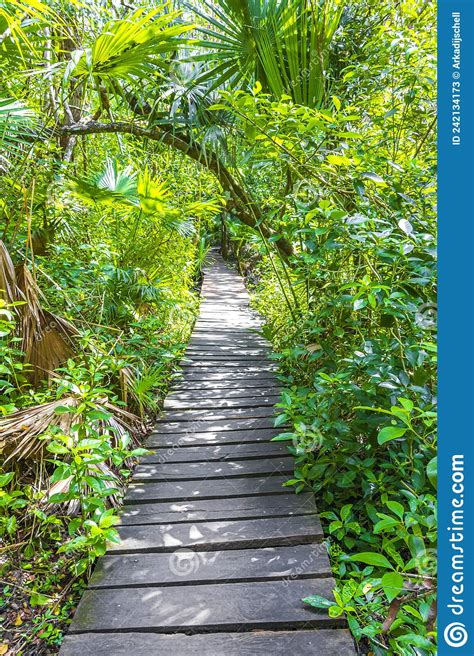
[{"x": 456, "y": 326}]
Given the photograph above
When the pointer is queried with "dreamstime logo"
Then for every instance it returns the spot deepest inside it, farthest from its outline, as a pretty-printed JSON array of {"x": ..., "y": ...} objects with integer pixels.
[
  {"x": 184, "y": 562},
  {"x": 426, "y": 563},
  {"x": 455, "y": 634},
  {"x": 425, "y": 316}
]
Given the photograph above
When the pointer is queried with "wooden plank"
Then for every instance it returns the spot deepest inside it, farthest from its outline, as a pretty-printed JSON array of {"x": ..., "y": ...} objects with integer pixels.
[
  {"x": 199, "y": 510},
  {"x": 227, "y": 376},
  {"x": 324, "y": 642},
  {"x": 225, "y": 365},
  {"x": 220, "y": 414},
  {"x": 237, "y": 357},
  {"x": 218, "y": 382},
  {"x": 198, "y": 608},
  {"x": 196, "y": 402},
  {"x": 203, "y": 425},
  {"x": 224, "y": 534},
  {"x": 228, "y": 344},
  {"x": 211, "y": 470},
  {"x": 204, "y": 489},
  {"x": 220, "y": 323},
  {"x": 226, "y": 394},
  {"x": 226, "y": 333},
  {"x": 215, "y": 449},
  {"x": 188, "y": 566},
  {"x": 251, "y": 348}
]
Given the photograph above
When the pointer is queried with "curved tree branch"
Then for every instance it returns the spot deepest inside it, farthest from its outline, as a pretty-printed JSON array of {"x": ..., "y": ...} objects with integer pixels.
[{"x": 240, "y": 202}]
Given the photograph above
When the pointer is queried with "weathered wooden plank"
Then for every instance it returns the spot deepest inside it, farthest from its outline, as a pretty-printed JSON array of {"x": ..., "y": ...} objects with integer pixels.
[
  {"x": 230, "y": 348},
  {"x": 225, "y": 366},
  {"x": 224, "y": 534},
  {"x": 234, "y": 358},
  {"x": 196, "y": 402},
  {"x": 229, "y": 321},
  {"x": 210, "y": 470},
  {"x": 218, "y": 382},
  {"x": 219, "y": 414},
  {"x": 226, "y": 333},
  {"x": 218, "y": 394},
  {"x": 211, "y": 342},
  {"x": 249, "y": 347},
  {"x": 324, "y": 642},
  {"x": 204, "y": 425},
  {"x": 218, "y": 509},
  {"x": 204, "y": 489},
  {"x": 234, "y": 606},
  {"x": 228, "y": 376},
  {"x": 188, "y": 566},
  {"x": 178, "y": 450}
]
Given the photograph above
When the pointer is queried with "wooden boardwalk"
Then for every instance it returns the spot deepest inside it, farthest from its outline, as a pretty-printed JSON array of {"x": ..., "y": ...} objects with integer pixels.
[{"x": 215, "y": 555}]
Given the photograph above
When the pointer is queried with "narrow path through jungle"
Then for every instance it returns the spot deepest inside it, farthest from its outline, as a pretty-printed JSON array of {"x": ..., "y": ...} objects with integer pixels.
[{"x": 215, "y": 555}]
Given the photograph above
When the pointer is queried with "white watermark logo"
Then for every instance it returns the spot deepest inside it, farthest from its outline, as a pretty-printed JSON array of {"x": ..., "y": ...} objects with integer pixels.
[
  {"x": 184, "y": 562},
  {"x": 455, "y": 634}
]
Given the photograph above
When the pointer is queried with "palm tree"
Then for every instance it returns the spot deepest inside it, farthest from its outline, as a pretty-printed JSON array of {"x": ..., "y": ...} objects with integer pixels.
[{"x": 281, "y": 44}]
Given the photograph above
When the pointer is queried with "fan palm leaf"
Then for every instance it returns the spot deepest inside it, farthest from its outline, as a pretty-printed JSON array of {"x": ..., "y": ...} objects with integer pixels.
[
  {"x": 17, "y": 124},
  {"x": 130, "y": 48},
  {"x": 111, "y": 186},
  {"x": 283, "y": 45}
]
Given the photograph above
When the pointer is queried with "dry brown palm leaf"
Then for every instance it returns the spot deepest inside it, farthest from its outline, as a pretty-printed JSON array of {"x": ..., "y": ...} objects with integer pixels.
[
  {"x": 21, "y": 431},
  {"x": 8, "y": 287},
  {"x": 47, "y": 340}
]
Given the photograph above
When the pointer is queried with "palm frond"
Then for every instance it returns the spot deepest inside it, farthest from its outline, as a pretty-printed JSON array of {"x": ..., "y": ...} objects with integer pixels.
[
  {"x": 140, "y": 387},
  {"x": 17, "y": 123},
  {"x": 130, "y": 48},
  {"x": 282, "y": 45},
  {"x": 22, "y": 431},
  {"x": 110, "y": 186}
]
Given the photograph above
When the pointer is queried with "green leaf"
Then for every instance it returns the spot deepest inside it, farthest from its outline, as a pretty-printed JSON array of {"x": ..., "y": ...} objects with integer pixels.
[
  {"x": 284, "y": 437},
  {"x": 6, "y": 478},
  {"x": 392, "y": 584},
  {"x": 371, "y": 558},
  {"x": 346, "y": 511},
  {"x": 390, "y": 433},
  {"x": 396, "y": 508},
  {"x": 38, "y": 599},
  {"x": 432, "y": 471},
  {"x": 62, "y": 409},
  {"x": 335, "y": 611},
  {"x": 374, "y": 177},
  {"x": 316, "y": 601},
  {"x": 416, "y": 640}
]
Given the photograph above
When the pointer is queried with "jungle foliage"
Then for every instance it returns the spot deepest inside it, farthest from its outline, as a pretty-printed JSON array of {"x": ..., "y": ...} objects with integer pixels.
[{"x": 300, "y": 135}]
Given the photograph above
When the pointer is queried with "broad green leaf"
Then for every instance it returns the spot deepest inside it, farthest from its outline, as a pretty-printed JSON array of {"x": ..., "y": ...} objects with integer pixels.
[
  {"x": 371, "y": 558},
  {"x": 432, "y": 471},
  {"x": 392, "y": 584},
  {"x": 390, "y": 433},
  {"x": 6, "y": 478},
  {"x": 318, "y": 602}
]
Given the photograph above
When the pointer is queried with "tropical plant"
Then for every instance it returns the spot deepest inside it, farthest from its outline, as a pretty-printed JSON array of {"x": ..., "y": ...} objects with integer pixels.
[{"x": 285, "y": 46}]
